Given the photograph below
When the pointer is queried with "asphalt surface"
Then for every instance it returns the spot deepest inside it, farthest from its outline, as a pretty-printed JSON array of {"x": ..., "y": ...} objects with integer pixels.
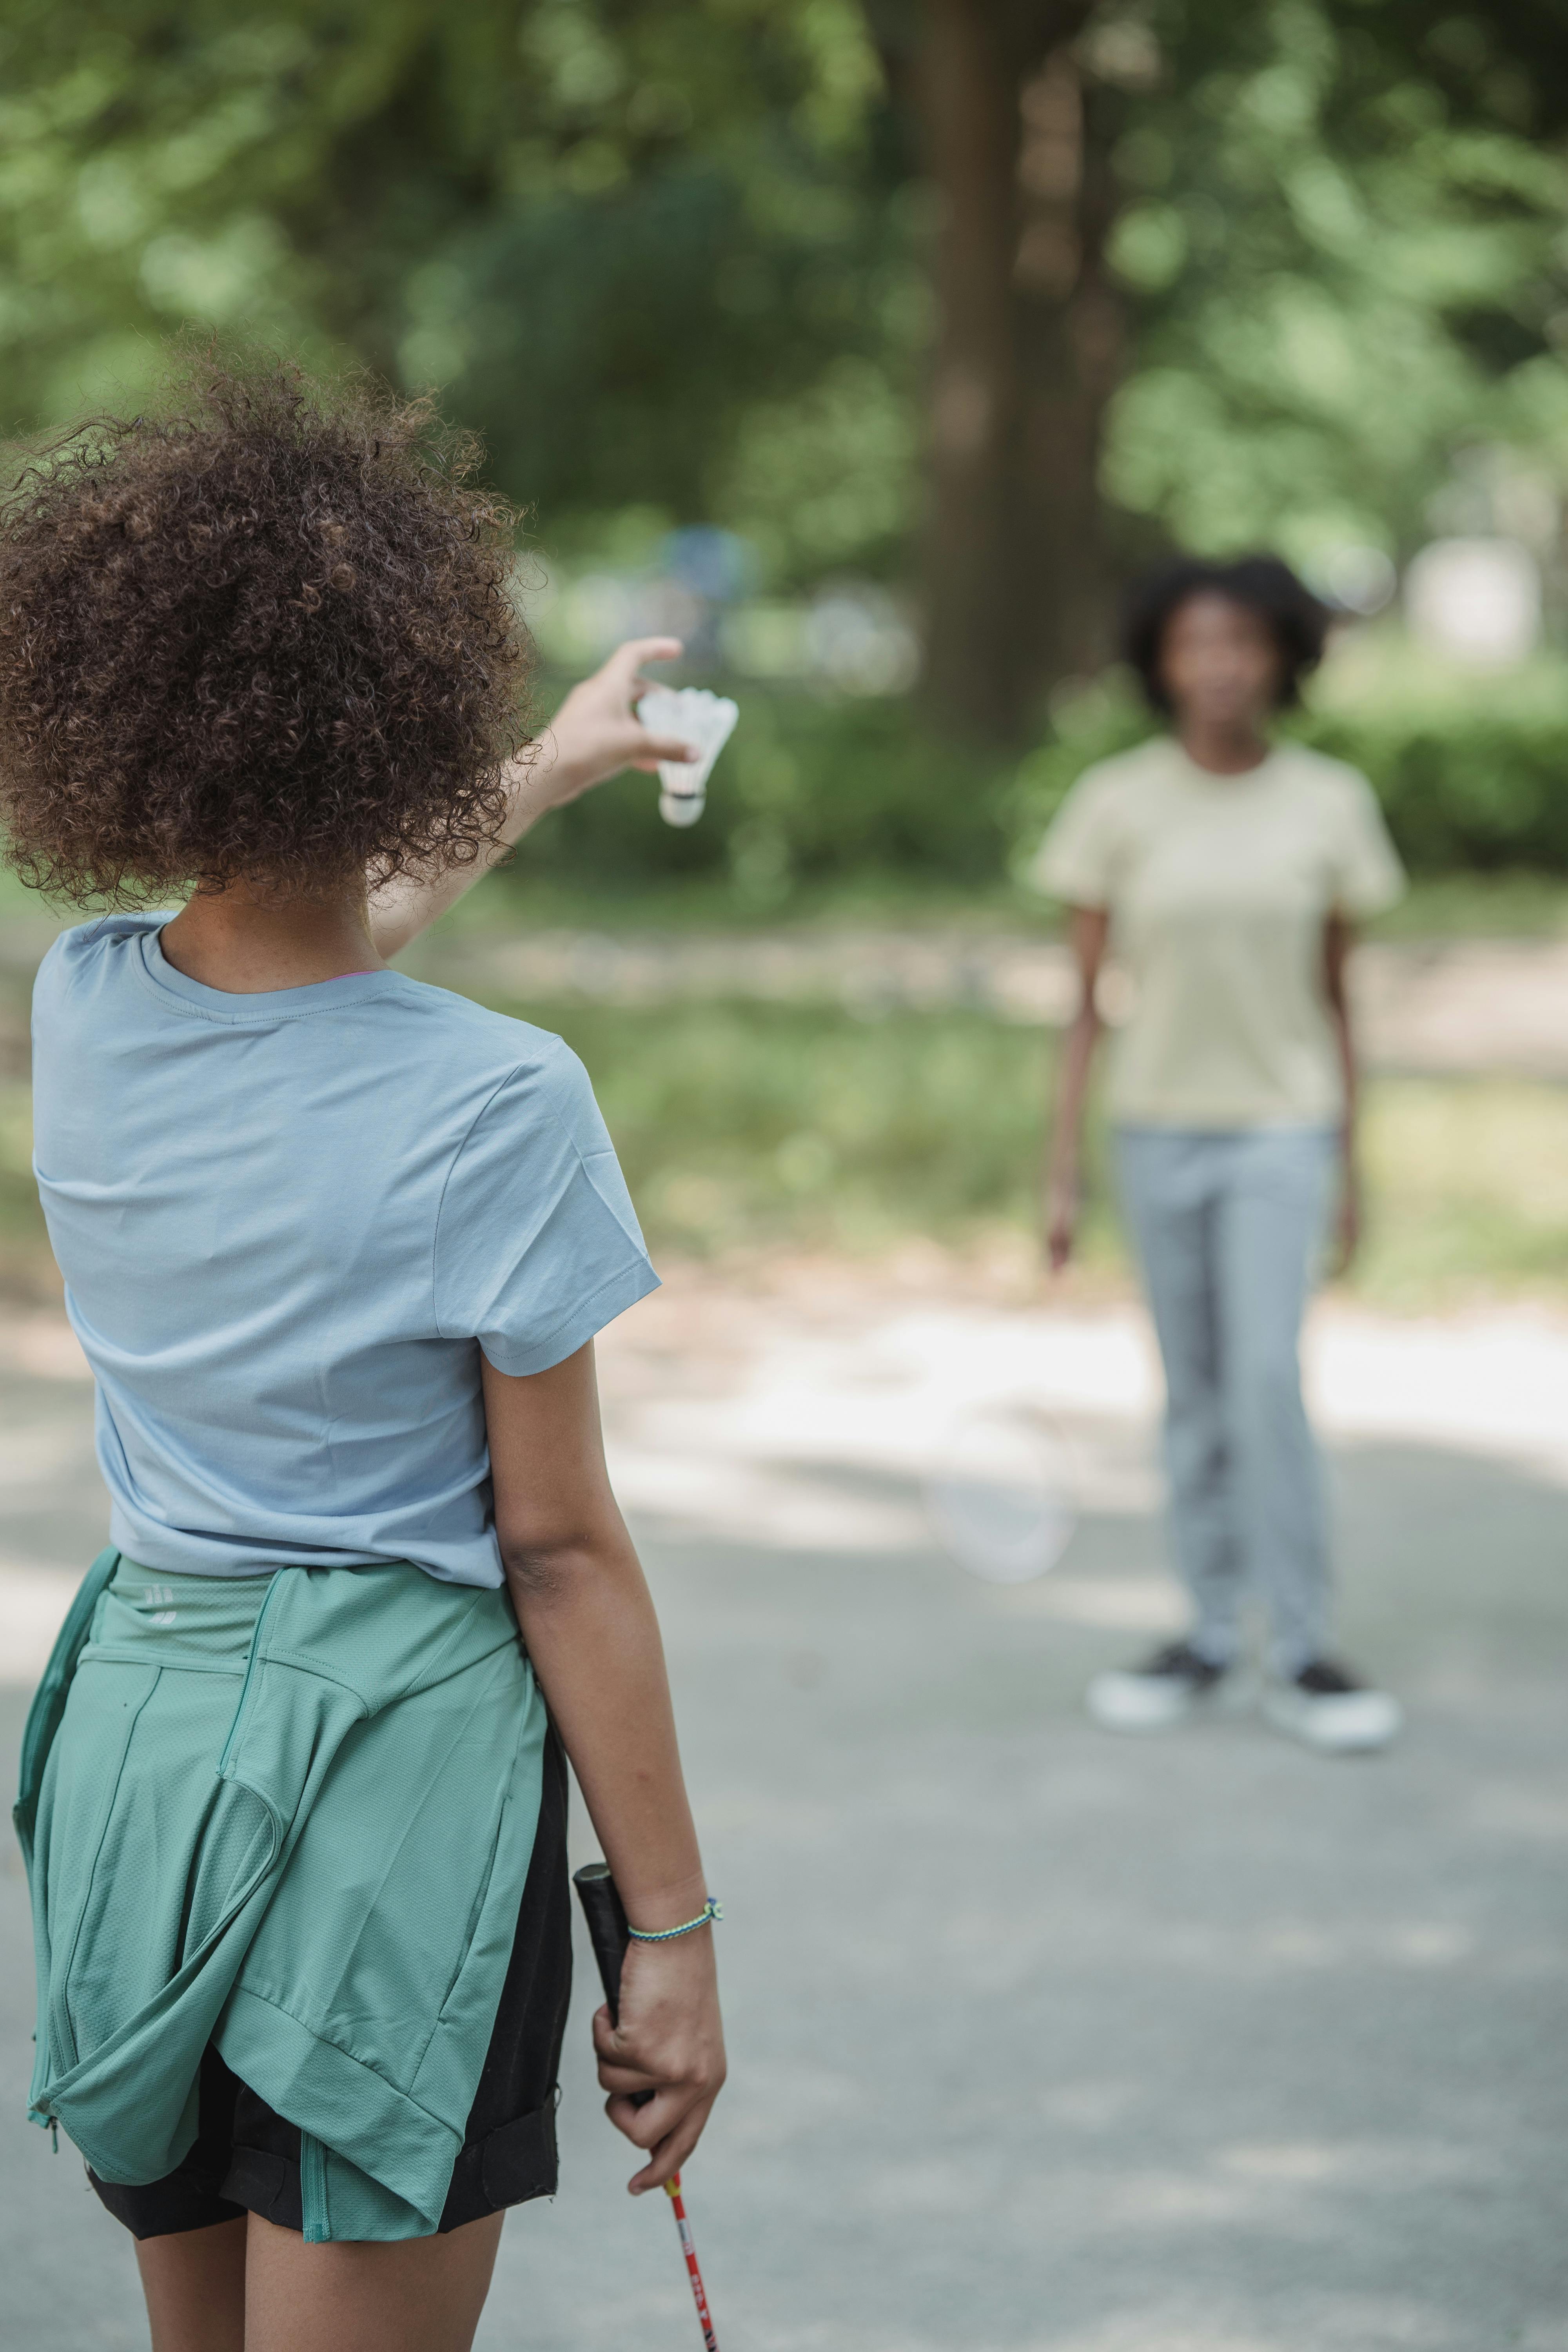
[{"x": 1041, "y": 2041}]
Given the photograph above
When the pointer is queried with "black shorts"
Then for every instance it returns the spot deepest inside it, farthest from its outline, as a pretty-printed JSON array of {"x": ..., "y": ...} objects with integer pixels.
[{"x": 246, "y": 2157}]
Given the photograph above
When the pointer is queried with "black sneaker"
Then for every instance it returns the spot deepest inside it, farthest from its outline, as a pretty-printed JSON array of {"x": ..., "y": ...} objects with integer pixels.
[
  {"x": 1329, "y": 1709},
  {"x": 1167, "y": 1688}
]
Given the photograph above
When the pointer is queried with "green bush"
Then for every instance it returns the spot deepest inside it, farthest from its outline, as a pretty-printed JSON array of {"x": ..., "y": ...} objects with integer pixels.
[
  {"x": 1464, "y": 789},
  {"x": 811, "y": 788},
  {"x": 1470, "y": 780},
  {"x": 807, "y": 788}
]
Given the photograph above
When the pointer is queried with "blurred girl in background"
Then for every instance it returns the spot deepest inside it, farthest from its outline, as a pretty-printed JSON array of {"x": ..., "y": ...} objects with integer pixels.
[{"x": 1230, "y": 870}]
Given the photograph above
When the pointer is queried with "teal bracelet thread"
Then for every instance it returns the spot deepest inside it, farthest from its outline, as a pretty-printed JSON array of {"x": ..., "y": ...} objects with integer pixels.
[{"x": 705, "y": 1917}]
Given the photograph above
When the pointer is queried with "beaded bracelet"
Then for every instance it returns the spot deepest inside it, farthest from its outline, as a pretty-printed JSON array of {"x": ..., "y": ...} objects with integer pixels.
[{"x": 710, "y": 1912}]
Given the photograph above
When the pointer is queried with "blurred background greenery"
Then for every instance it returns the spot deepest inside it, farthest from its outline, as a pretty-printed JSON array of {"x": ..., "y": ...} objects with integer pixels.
[{"x": 869, "y": 345}]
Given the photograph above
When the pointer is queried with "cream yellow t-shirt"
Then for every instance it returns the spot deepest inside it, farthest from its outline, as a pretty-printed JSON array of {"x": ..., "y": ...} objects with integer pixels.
[{"x": 1218, "y": 888}]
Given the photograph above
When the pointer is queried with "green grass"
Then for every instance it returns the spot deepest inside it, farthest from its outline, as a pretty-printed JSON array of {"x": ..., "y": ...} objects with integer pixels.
[
  {"x": 747, "y": 1126},
  {"x": 1503, "y": 905},
  {"x": 522, "y": 897},
  {"x": 1468, "y": 1184},
  {"x": 750, "y": 1126},
  {"x": 27, "y": 1266},
  {"x": 1478, "y": 905}
]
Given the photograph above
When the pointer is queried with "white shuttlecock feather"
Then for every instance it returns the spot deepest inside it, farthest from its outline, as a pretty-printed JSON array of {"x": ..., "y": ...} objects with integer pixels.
[{"x": 702, "y": 719}]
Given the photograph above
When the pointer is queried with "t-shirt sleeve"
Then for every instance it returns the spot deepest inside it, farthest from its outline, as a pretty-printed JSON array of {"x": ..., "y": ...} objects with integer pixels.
[
  {"x": 537, "y": 1243},
  {"x": 1367, "y": 875},
  {"x": 1077, "y": 861}
]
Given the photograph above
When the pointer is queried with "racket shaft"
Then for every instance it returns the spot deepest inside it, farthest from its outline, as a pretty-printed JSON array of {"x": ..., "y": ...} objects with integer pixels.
[
  {"x": 607, "y": 1931},
  {"x": 688, "y": 2247}
]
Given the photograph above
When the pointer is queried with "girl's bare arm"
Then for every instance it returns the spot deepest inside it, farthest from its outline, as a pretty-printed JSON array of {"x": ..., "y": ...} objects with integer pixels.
[
  {"x": 1339, "y": 938},
  {"x": 589, "y": 1627},
  {"x": 1088, "y": 927},
  {"x": 595, "y": 734}
]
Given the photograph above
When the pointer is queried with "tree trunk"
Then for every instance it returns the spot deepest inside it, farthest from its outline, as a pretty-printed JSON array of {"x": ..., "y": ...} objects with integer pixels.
[{"x": 1027, "y": 343}]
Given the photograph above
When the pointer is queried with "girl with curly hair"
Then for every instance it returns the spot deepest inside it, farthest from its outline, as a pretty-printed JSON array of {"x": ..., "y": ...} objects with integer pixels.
[
  {"x": 1231, "y": 868},
  {"x": 336, "y": 1244}
]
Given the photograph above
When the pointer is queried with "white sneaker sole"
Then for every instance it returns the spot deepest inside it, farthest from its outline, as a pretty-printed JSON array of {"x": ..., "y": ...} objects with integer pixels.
[
  {"x": 1356, "y": 1724},
  {"x": 1119, "y": 1701}
]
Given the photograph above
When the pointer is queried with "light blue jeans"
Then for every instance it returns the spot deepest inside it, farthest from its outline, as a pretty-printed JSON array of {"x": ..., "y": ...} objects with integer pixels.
[{"x": 1229, "y": 1226}]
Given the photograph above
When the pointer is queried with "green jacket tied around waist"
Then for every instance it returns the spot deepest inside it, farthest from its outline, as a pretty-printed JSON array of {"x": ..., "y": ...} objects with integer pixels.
[{"x": 292, "y": 1815}]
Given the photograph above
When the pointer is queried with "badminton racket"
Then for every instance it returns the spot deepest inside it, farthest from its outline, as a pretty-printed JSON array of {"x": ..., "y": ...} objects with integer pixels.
[
  {"x": 999, "y": 1491},
  {"x": 609, "y": 1934}
]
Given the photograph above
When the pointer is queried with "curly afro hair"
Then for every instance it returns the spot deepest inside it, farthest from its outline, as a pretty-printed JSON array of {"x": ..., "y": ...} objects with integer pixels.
[
  {"x": 1262, "y": 583},
  {"x": 264, "y": 634}
]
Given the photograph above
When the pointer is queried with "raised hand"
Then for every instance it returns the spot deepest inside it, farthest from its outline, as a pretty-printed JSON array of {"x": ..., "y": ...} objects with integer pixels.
[
  {"x": 1059, "y": 1220},
  {"x": 597, "y": 732}
]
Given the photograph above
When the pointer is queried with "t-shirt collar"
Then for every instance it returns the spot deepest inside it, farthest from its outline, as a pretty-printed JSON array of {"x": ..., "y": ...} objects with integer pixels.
[
  {"x": 265, "y": 1004},
  {"x": 1213, "y": 779}
]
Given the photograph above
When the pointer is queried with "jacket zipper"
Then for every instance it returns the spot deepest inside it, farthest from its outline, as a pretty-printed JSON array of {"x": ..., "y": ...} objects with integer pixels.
[
  {"x": 314, "y": 2215},
  {"x": 250, "y": 1666}
]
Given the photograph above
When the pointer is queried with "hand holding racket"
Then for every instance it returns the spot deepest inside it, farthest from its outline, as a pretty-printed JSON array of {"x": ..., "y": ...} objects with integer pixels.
[
  {"x": 616, "y": 2036},
  {"x": 661, "y": 2051}
]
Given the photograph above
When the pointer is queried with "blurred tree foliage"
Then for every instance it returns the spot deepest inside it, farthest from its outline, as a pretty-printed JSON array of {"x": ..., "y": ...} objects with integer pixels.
[
  {"x": 636, "y": 245},
  {"x": 1262, "y": 271},
  {"x": 1257, "y": 270},
  {"x": 810, "y": 788},
  {"x": 1470, "y": 780},
  {"x": 1342, "y": 231}
]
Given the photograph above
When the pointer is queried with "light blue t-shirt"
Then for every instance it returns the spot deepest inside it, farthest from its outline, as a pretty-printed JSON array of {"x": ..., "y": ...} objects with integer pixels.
[{"x": 287, "y": 1224}]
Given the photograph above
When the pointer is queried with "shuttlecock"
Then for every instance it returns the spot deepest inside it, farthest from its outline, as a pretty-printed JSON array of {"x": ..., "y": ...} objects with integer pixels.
[{"x": 702, "y": 719}]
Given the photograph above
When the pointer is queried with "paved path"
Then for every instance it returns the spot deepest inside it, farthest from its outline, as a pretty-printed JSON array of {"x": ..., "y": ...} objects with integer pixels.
[{"x": 1042, "y": 2043}]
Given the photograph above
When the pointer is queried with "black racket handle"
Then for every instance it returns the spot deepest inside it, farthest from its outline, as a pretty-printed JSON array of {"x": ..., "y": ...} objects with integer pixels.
[{"x": 607, "y": 1931}]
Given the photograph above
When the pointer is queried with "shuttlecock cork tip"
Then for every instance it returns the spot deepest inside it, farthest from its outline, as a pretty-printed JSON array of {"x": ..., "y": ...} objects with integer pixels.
[{"x": 703, "y": 720}]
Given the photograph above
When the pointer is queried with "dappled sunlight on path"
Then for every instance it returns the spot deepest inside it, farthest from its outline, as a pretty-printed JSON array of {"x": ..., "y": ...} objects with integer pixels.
[
  {"x": 1042, "y": 2040},
  {"x": 803, "y": 1416}
]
